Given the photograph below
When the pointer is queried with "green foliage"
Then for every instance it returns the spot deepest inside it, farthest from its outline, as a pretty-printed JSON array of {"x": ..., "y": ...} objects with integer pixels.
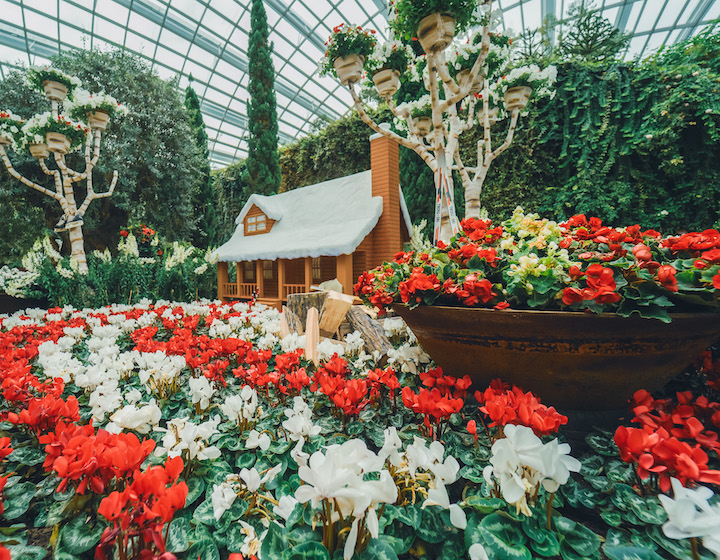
[
  {"x": 262, "y": 172},
  {"x": 169, "y": 271},
  {"x": 203, "y": 199},
  {"x": 152, "y": 149},
  {"x": 590, "y": 37}
]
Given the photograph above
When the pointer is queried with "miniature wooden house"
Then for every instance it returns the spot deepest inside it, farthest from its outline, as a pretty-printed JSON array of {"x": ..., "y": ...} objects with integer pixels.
[{"x": 287, "y": 242}]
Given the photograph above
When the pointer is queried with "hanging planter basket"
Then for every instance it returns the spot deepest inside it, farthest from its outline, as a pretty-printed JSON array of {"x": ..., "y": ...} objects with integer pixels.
[
  {"x": 463, "y": 79},
  {"x": 57, "y": 143},
  {"x": 38, "y": 151},
  {"x": 517, "y": 97},
  {"x": 423, "y": 126},
  {"x": 55, "y": 91},
  {"x": 349, "y": 68},
  {"x": 98, "y": 119},
  {"x": 436, "y": 31},
  {"x": 387, "y": 82}
]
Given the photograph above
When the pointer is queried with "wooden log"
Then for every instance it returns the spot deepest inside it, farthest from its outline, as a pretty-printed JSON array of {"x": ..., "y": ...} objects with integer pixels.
[
  {"x": 312, "y": 336},
  {"x": 300, "y": 303},
  {"x": 372, "y": 331},
  {"x": 336, "y": 307},
  {"x": 293, "y": 321},
  {"x": 284, "y": 328}
]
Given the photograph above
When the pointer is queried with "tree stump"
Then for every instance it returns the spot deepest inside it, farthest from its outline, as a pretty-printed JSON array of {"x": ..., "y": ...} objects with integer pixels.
[
  {"x": 372, "y": 331},
  {"x": 292, "y": 322},
  {"x": 336, "y": 307},
  {"x": 300, "y": 303}
]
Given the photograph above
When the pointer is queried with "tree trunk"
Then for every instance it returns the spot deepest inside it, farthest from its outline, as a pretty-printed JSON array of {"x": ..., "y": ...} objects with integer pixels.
[
  {"x": 446, "y": 221},
  {"x": 77, "y": 246}
]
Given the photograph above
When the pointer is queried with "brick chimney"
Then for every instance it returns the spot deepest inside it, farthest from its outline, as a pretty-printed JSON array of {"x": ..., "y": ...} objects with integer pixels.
[{"x": 387, "y": 237}]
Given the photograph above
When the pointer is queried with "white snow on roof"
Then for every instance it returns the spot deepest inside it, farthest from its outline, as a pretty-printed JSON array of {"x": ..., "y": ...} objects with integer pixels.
[{"x": 327, "y": 219}]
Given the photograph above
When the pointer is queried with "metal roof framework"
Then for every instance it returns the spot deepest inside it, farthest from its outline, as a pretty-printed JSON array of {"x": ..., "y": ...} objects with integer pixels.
[{"x": 209, "y": 39}]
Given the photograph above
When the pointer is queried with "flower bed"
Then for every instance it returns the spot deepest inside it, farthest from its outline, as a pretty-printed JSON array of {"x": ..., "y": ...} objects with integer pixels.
[
  {"x": 193, "y": 431},
  {"x": 532, "y": 263}
]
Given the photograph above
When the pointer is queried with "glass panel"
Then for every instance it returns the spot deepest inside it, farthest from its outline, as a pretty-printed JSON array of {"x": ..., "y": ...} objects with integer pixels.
[
  {"x": 252, "y": 219},
  {"x": 261, "y": 226},
  {"x": 251, "y": 227}
]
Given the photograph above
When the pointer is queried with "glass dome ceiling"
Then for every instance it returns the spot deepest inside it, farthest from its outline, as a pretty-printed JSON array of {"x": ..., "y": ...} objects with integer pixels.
[{"x": 209, "y": 39}]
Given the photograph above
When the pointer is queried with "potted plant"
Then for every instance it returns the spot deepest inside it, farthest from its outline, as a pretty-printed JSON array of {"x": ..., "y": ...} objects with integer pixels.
[
  {"x": 462, "y": 58},
  {"x": 61, "y": 134},
  {"x": 432, "y": 22},
  {"x": 56, "y": 85},
  {"x": 95, "y": 108},
  {"x": 518, "y": 84},
  {"x": 421, "y": 114},
  {"x": 566, "y": 310},
  {"x": 347, "y": 49},
  {"x": 10, "y": 126},
  {"x": 387, "y": 63}
]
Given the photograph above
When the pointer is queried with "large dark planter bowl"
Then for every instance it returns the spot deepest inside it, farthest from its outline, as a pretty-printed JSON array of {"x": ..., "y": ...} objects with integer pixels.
[{"x": 573, "y": 361}]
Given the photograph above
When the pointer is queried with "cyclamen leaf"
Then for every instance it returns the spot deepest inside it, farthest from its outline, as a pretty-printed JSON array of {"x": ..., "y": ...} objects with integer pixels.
[
  {"x": 377, "y": 550},
  {"x": 432, "y": 528},
  {"x": 78, "y": 536},
  {"x": 310, "y": 550},
  {"x": 630, "y": 553},
  {"x": 24, "y": 552},
  {"x": 275, "y": 542},
  {"x": 485, "y": 505},
  {"x": 177, "y": 540},
  {"x": 601, "y": 444},
  {"x": 196, "y": 486},
  {"x": 506, "y": 540},
  {"x": 27, "y": 456},
  {"x": 17, "y": 499},
  {"x": 578, "y": 537},
  {"x": 204, "y": 550}
]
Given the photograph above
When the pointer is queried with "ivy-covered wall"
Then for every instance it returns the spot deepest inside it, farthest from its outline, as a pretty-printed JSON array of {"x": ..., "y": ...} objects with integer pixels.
[{"x": 630, "y": 143}]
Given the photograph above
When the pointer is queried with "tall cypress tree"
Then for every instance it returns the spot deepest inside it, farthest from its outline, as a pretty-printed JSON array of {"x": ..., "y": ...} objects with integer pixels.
[
  {"x": 203, "y": 199},
  {"x": 262, "y": 174}
]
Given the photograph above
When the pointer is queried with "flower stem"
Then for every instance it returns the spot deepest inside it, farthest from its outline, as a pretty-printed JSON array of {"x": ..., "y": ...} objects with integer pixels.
[
  {"x": 694, "y": 548},
  {"x": 548, "y": 511}
]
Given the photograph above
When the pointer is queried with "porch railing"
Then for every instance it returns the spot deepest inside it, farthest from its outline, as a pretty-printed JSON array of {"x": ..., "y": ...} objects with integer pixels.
[{"x": 243, "y": 290}]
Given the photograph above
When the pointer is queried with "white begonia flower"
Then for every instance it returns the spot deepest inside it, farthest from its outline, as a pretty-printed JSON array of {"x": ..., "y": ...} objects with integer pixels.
[
  {"x": 391, "y": 446},
  {"x": 223, "y": 496},
  {"x": 690, "y": 515},
  {"x": 327, "y": 348},
  {"x": 133, "y": 396},
  {"x": 256, "y": 439},
  {"x": 285, "y": 507},
  {"x": 292, "y": 342},
  {"x": 298, "y": 455},
  {"x": 299, "y": 421},
  {"x": 141, "y": 419},
  {"x": 183, "y": 437},
  {"x": 201, "y": 391},
  {"x": 521, "y": 461},
  {"x": 354, "y": 343}
]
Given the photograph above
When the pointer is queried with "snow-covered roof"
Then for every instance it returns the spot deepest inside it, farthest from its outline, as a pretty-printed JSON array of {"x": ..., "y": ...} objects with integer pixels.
[{"x": 327, "y": 219}]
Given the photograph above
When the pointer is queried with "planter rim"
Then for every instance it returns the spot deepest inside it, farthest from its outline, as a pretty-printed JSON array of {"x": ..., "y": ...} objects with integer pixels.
[{"x": 553, "y": 313}]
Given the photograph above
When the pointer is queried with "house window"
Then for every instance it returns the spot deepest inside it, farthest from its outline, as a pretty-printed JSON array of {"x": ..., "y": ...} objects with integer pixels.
[
  {"x": 256, "y": 224},
  {"x": 249, "y": 271},
  {"x": 267, "y": 270},
  {"x": 316, "y": 269}
]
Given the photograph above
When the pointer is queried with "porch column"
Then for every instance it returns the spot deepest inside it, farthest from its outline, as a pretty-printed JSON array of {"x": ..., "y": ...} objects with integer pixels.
[
  {"x": 239, "y": 277},
  {"x": 259, "y": 278},
  {"x": 308, "y": 274},
  {"x": 281, "y": 278},
  {"x": 222, "y": 279},
  {"x": 345, "y": 273}
]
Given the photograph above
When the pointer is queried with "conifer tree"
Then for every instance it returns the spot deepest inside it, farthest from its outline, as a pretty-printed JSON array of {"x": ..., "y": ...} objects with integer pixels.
[
  {"x": 262, "y": 172},
  {"x": 203, "y": 199}
]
